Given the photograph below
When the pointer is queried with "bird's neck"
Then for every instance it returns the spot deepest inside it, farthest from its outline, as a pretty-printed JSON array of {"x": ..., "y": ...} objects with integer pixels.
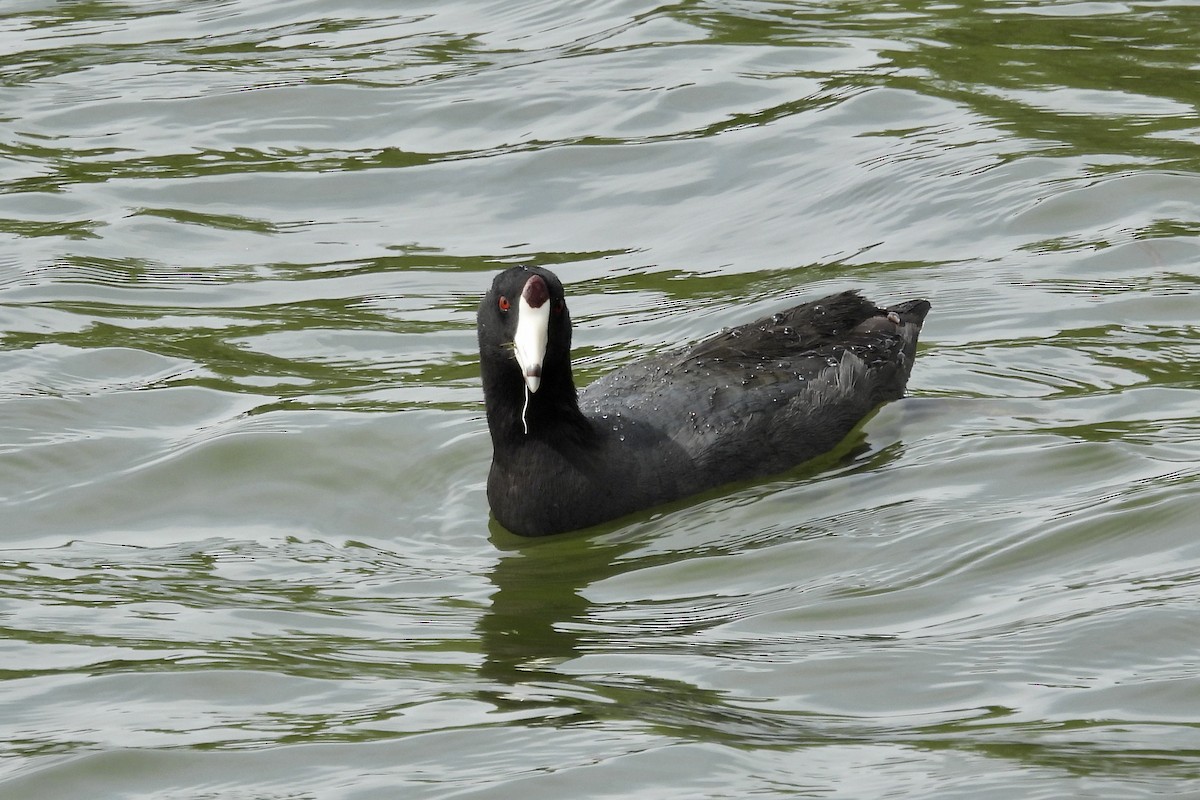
[{"x": 518, "y": 417}]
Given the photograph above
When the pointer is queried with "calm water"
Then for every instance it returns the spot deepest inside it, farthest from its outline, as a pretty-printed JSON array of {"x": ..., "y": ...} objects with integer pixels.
[{"x": 244, "y": 544}]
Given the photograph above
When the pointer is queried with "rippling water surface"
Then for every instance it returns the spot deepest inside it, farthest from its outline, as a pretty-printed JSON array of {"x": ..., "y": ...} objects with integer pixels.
[{"x": 245, "y": 544}]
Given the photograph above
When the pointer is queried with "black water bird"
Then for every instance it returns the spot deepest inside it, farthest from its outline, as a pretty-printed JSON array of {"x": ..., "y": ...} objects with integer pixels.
[{"x": 748, "y": 402}]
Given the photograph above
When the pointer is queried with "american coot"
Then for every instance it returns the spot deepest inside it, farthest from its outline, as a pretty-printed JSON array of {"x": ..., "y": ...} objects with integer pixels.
[{"x": 743, "y": 403}]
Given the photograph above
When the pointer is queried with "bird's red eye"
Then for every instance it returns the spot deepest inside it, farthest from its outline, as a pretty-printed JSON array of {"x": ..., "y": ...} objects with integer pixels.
[
  {"x": 558, "y": 307},
  {"x": 504, "y": 304}
]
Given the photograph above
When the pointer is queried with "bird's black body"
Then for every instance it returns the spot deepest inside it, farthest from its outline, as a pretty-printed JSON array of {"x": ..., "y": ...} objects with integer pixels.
[{"x": 748, "y": 402}]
